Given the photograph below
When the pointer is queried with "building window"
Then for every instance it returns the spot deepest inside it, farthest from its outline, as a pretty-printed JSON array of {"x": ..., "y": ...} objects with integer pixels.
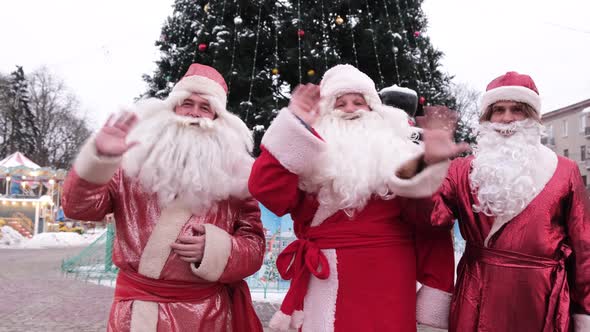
[
  {"x": 584, "y": 179},
  {"x": 583, "y": 152},
  {"x": 566, "y": 153},
  {"x": 583, "y": 123},
  {"x": 550, "y": 131},
  {"x": 564, "y": 128}
]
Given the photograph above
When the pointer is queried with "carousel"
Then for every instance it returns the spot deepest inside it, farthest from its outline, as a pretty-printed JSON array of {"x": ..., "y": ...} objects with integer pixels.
[{"x": 31, "y": 195}]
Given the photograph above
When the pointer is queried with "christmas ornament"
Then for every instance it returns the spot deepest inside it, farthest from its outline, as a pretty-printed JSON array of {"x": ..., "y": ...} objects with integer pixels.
[
  {"x": 422, "y": 100},
  {"x": 417, "y": 34},
  {"x": 206, "y": 8},
  {"x": 339, "y": 20},
  {"x": 275, "y": 71},
  {"x": 300, "y": 33},
  {"x": 310, "y": 72},
  {"x": 395, "y": 49},
  {"x": 237, "y": 20},
  {"x": 202, "y": 47}
]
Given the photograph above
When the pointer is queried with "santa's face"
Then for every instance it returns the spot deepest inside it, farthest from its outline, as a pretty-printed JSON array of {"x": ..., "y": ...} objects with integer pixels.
[
  {"x": 502, "y": 174},
  {"x": 193, "y": 160},
  {"x": 361, "y": 156},
  {"x": 195, "y": 106},
  {"x": 508, "y": 112},
  {"x": 351, "y": 105}
]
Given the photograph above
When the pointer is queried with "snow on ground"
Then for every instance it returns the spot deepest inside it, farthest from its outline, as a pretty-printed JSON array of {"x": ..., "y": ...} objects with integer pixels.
[
  {"x": 272, "y": 297},
  {"x": 55, "y": 240},
  {"x": 10, "y": 237}
]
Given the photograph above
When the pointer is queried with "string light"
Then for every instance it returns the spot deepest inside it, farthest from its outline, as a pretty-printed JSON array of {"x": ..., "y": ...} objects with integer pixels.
[
  {"x": 324, "y": 37},
  {"x": 254, "y": 63},
  {"x": 356, "y": 61},
  {"x": 393, "y": 41},
  {"x": 375, "y": 44},
  {"x": 233, "y": 49},
  {"x": 299, "y": 37}
]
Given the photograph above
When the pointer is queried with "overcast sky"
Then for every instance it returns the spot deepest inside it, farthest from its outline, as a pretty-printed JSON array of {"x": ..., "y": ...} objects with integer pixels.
[{"x": 101, "y": 48}]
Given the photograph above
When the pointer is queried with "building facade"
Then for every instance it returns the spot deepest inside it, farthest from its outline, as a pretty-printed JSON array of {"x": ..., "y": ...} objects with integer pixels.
[{"x": 568, "y": 134}]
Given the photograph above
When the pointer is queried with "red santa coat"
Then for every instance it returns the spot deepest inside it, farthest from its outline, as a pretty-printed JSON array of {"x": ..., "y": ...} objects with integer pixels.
[
  {"x": 234, "y": 249},
  {"x": 533, "y": 271},
  {"x": 365, "y": 277}
]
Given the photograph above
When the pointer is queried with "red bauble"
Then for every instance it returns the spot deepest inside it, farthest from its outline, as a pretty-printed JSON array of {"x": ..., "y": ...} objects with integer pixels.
[
  {"x": 202, "y": 47},
  {"x": 422, "y": 100},
  {"x": 417, "y": 34},
  {"x": 300, "y": 33}
]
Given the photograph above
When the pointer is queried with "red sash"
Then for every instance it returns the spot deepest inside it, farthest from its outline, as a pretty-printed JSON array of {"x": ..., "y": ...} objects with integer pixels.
[
  {"x": 302, "y": 258},
  {"x": 134, "y": 286},
  {"x": 558, "y": 302}
]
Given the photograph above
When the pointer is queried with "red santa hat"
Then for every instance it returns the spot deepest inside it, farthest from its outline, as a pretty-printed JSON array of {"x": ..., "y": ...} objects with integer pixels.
[
  {"x": 342, "y": 79},
  {"x": 203, "y": 80},
  {"x": 512, "y": 86}
]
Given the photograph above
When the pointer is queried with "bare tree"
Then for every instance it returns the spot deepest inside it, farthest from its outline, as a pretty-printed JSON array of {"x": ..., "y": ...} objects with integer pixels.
[
  {"x": 61, "y": 129},
  {"x": 467, "y": 105}
]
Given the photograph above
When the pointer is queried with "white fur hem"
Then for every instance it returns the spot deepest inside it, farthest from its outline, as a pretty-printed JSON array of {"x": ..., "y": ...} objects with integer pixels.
[
  {"x": 144, "y": 316},
  {"x": 292, "y": 144},
  {"x": 320, "y": 301},
  {"x": 422, "y": 184},
  {"x": 218, "y": 244},
  {"x": 201, "y": 85},
  {"x": 512, "y": 93},
  {"x": 283, "y": 322},
  {"x": 94, "y": 168},
  {"x": 581, "y": 323},
  {"x": 433, "y": 307}
]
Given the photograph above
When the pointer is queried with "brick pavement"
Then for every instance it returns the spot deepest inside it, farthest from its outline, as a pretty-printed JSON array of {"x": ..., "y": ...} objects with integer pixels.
[{"x": 36, "y": 297}]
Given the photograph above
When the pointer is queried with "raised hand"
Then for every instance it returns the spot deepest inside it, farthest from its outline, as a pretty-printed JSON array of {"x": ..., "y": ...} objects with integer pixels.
[
  {"x": 191, "y": 248},
  {"x": 111, "y": 139},
  {"x": 439, "y": 124},
  {"x": 304, "y": 102}
]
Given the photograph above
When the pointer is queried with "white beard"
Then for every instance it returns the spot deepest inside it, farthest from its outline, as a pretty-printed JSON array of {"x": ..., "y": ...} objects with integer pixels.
[
  {"x": 361, "y": 157},
  {"x": 193, "y": 165},
  {"x": 503, "y": 171}
]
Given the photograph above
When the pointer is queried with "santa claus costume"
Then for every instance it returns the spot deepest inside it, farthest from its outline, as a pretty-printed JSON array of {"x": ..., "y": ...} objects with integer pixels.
[
  {"x": 524, "y": 214},
  {"x": 355, "y": 263},
  {"x": 179, "y": 175}
]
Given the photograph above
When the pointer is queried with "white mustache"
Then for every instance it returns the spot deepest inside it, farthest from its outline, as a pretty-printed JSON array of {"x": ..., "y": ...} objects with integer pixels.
[
  {"x": 349, "y": 116},
  {"x": 189, "y": 121}
]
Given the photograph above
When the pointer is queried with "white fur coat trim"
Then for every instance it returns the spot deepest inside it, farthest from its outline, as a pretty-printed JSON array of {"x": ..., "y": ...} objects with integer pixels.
[
  {"x": 165, "y": 232},
  {"x": 548, "y": 160},
  {"x": 433, "y": 307},
  {"x": 202, "y": 85},
  {"x": 218, "y": 244},
  {"x": 423, "y": 184},
  {"x": 581, "y": 323},
  {"x": 144, "y": 316},
  {"x": 319, "y": 306},
  {"x": 294, "y": 146},
  {"x": 94, "y": 168}
]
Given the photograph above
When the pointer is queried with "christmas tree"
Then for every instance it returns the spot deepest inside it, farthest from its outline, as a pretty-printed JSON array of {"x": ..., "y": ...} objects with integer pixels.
[
  {"x": 18, "y": 122},
  {"x": 265, "y": 48}
]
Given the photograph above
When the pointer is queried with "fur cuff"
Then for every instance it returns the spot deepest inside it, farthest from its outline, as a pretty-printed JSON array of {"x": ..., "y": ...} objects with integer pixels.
[
  {"x": 283, "y": 322},
  {"x": 294, "y": 146},
  {"x": 218, "y": 244},
  {"x": 94, "y": 168},
  {"x": 433, "y": 307},
  {"x": 422, "y": 184},
  {"x": 581, "y": 323}
]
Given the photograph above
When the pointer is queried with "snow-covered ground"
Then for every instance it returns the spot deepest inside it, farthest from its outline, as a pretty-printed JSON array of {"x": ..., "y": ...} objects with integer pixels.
[
  {"x": 272, "y": 297},
  {"x": 12, "y": 239}
]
